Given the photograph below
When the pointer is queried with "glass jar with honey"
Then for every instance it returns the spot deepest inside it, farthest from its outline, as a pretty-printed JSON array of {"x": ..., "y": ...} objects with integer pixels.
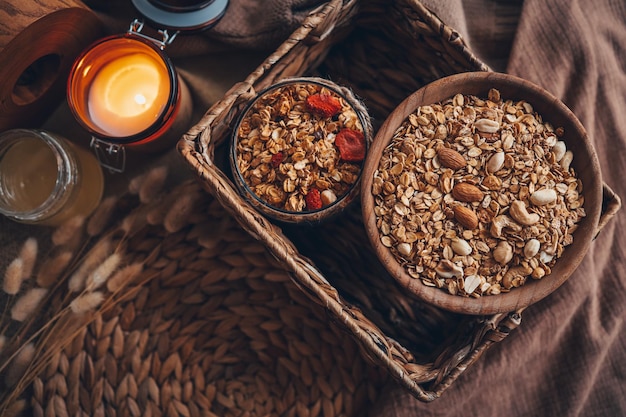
[{"x": 45, "y": 179}]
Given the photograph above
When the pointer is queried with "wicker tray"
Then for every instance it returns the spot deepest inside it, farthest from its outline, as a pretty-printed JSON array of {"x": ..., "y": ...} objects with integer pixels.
[{"x": 384, "y": 51}]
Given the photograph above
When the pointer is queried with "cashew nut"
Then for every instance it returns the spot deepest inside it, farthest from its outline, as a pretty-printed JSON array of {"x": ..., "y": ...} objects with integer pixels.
[
  {"x": 500, "y": 222},
  {"x": 503, "y": 253},
  {"x": 447, "y": 269},
  {"x": 521, "y": 215}
]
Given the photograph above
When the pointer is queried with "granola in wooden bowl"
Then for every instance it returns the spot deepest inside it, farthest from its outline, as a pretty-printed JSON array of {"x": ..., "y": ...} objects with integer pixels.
[
  {"x": 298, "y": 149},
  {"x": 485, "y": 190}
]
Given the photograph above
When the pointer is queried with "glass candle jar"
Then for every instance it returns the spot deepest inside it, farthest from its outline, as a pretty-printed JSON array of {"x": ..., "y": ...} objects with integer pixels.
[
  {"x": 45, "y": 179},
  {"x": 125, "y": 91}
]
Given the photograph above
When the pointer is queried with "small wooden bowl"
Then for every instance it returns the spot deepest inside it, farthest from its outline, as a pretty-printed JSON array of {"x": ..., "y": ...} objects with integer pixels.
[
  {"x": 305, "y": 216},
  {"x": 585, "y": 164}
]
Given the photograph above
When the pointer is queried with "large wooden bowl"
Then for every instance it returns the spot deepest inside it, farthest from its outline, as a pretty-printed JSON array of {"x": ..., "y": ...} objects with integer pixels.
[{"x": 585, "y": 164}]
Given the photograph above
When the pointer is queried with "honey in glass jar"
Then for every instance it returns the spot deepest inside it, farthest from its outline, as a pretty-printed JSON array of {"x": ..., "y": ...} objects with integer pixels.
[{"x": 45, "y": 179}]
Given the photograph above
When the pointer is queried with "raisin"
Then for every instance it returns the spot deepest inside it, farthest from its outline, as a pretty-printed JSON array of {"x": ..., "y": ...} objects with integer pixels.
[{"x": 277, "y": 159}]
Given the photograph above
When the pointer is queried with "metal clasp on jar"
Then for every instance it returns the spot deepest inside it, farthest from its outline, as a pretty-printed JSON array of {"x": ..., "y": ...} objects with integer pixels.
[
  {"x": 136, "y": 27},
  {"x": 110, "y": 155}
]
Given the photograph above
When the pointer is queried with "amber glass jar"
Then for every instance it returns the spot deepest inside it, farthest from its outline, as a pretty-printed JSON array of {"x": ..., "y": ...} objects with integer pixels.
[
  {"x": 45, "y": 179},
  {"x": 125, "y": 91}
]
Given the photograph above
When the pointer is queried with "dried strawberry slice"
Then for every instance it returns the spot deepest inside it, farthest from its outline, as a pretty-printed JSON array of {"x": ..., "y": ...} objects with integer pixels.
[
  {"x": 351, "y": 144},
  {"x": 277, "y": 159},
  {"x": 313, "y": 199},
  {"x": 324, "y": 105}
]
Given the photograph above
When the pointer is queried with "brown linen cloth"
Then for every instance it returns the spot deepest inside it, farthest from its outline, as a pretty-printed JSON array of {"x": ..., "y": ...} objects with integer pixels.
[{"x": 568, "y": 358}]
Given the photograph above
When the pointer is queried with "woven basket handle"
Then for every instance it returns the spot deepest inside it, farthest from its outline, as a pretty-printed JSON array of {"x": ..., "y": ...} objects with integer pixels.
[{"x": 327, "y": 26}]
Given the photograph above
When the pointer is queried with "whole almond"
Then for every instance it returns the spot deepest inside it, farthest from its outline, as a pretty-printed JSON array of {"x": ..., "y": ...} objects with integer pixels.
[
  {"x": 464, "y": 191},
  {"x": 465, "y": 216},
  {"x": 450, "y": 158}
]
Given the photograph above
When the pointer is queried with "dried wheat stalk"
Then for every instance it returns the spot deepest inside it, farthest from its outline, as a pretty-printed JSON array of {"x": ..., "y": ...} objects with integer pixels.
[{"x": 41, "y": 317}]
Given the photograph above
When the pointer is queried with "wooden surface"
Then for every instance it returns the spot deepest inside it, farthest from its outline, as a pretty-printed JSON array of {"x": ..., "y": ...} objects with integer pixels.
[
  {"x": 17, "y": 15},
  {"x": 585, "y": 164},
  {"x": 39, "y": 41}
]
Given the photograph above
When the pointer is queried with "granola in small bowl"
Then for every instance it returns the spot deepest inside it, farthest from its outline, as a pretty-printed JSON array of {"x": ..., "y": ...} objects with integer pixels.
[{"x": 298, "y": 149}]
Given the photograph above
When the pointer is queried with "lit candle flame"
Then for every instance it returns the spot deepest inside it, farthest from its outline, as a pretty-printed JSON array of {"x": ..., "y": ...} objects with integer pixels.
[
  {"x": 140, "y": 99},
  {"x": 128, "y": 95}
]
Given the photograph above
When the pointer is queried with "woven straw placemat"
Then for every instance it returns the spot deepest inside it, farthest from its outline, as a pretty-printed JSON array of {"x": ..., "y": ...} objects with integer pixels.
[{"x": 192, "y": 317}]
